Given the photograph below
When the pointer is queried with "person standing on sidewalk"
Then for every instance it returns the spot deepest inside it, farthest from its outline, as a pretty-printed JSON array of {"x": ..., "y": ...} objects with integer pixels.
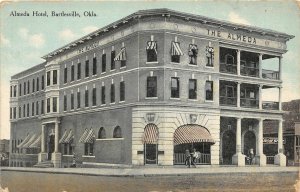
[{"x": 187, "y": 158}]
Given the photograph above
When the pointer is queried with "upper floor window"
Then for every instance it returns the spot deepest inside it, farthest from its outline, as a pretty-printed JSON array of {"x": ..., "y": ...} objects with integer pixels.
[
  {"x": 103, "y": 95},
  {"x": 176, "y": 52},
  {"x": 72, "y": 72},
  {"x": 94, "y": 65},
  {"x": 192, "y": 89},
  {"x": 209, "y": 90},
  {"x": 37, "y": 108},
  {"x": 65, "y": 75},
  {"x": 48, "y": 105},
  {"x": 20, "y": 111},
  {"x": 43, "y": 82},
  {"x": 86, "y": 97},
  {"x": 229, "y": 59},
  {"x": 87, "y": 68},
  {"x": 78, "y": 99},
  {"x": 24, "y": 88},
  {"x": 20, "y": 89},
  {"x": 103, "y": 63},
  {"x": 94, "y": 97},
  {"x": 32, "y": 109},
  {"x": 28, "y": 87},
  {"x": 151, "y": 51},
  {"x": 175, "y": 87},
  {"x": 42, "y": 107},
  {"x": 101, "y": 133},
  {"x": 121, "y": 57},
  {"x": 33, "y": 85},
  {"x": 72, "y": 101},
  {"x": 27, "y": 109},
  {"x": 15, "y": 112},
  {"x": 11, "y": 91},
  {"x": 37, "y": 84},
  {"x": 15, "y": 91},
  {"x": 210, "y": 56},
  {"x": 151, "y": 86},
  {"x": 65, "y": 103},
  {"x": 54, "y": 77},
  {"x": 78, "y": 71},
  {"x": 117, "y": 132},
  {"x": 54, "y": 104},
  {"x": 112, "y": 93},
  {"x": 48, "y": 78},
  {"x": 193, "y": 52},
  {"x": 24, "y": 110},
  {"x": 122, "y": 91},
  {"x": 112, "y": 60}
]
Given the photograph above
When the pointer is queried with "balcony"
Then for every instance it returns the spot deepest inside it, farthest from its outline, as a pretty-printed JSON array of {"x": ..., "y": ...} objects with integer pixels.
[
  {"x": 249, "y": 103},
  {"x": 270, "y": 105},
  {"x": 249, "y": 71},
  {"x": 228, "y": 101},
  {"x": 270, "y": 74},
  {"x": 228, "y": 68}
]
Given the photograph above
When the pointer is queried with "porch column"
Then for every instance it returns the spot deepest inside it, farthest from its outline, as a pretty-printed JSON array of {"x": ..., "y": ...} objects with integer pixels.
[
  {"x": 238, "y": 158},
  {"x": 279, "y": 98},
  {"x": 56, "y": 138},
  {"x": 238, "y": 94},
  {"x": 260, "y": 96},
  {"x": 238, "y": 61},
  {"x": 56, "y": 156},
  {"x": 43, "y": 139},
  {"x": 280, "y": 67},
  {"x": 260, "y": 158},
  {"x": 280, "y": 158},
  {"x": 260, "y": 65}
]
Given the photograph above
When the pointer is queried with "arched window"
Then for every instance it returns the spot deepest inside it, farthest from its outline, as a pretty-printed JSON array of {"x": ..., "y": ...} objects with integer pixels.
[
  {"x": 101, "y": 133},
  {"x": 117, "y": 132},
  {"x": 229, "y": 59}
]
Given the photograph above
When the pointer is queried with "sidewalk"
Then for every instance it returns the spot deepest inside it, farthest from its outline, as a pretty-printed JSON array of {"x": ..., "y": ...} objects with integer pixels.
[{"x": 157, "y": 170}]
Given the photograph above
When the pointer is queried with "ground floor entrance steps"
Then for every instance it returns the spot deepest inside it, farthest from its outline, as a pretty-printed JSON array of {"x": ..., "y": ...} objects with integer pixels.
[{"x": 44, "y": 164}]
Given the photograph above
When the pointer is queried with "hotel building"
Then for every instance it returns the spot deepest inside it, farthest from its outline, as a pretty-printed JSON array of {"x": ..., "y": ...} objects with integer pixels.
[{"x": 147, "y": 87}]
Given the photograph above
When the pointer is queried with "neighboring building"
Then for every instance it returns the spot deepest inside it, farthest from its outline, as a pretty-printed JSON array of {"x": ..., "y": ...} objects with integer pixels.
[
  {"x": 145, "y": 88},
  {"x": 4, "y": 152}
]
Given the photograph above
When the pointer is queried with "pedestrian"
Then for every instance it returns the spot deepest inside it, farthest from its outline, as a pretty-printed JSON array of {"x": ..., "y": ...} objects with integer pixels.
[
  {"x": 187, "y": 158},
  {"x": 74, "y": 160},
  {"x": 251, "y": 156},
  {"x": 194, "y": 155}
]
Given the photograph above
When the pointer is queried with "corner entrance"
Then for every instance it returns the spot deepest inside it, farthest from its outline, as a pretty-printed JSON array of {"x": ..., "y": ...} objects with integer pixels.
[{"x": 150, "y": 140}]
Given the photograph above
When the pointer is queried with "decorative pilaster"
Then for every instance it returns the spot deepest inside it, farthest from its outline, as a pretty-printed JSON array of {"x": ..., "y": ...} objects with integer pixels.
[
  {"x": 238, "y": 94},
  {"x": 280, "y": 158},
  {"x": 260, "y": 158},
  {"x": 238, "y": 158}
]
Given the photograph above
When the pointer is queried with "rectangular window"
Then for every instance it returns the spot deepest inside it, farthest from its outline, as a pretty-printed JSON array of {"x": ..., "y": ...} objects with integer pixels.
[
  {"x": 11, "y": 91},
  {"x": 193, "y": 52},
  {"x": 210, "y": 56},
  {"x": 42, "y": 107},
  {"x": 192, "y": 89},
  {"x": 48, "y": 105},
  {"x": 15, "y": 91},
  {"x": 151, "y": 51},
  {"x": 78, "y": 100},
  {"x": 86, "y": 98},
  {"x": 43, "y": 82},
  {"x": 20, "y": 112},
  {"x": 78, "y": 71},
  {"x": 37, "y": 108},
  {"x": 33, "y": 85},
  {"x": 72, "y": 72},
  {"x": 20, "y": 89},
  {"x": 175, "y": 87},
  {"x": 151, "y": 86},
  {"x": 15, "y": 112},
  {"x": 54, "y": 101},
  {"x": 28, "y": 87},
  {"x": 103, "y": 63},
  {"x": 10, "y": 114},
  {"x": 112, "y": 60},
  {"x": 89, "y": 149},
  {"x": 103, "y": 95},
  {"x": 54, "y": 77},
  {"x": 122, "y": 91},
  {"x": 176, "y": 52},
  {"x": 112, "y": 93},
  {"x": 87, "y": 68},
  {"x": 32, "y": 109},
  {"x": 94, "y": 65},
  {"x": 72, "y": 101},
  {"x": 65, "y": 75},
  {"x": 48, "y": 78},
  {"x": 27, "y": 109},
  {"x": 94, "y": 97},
  {"x": 209, "y": 90},
  {"x": 24, "y": 91},
  {"x": 65, "y": 103},
  {"x": 24, "y": 110},
  {"x": 37, "y": 84}
]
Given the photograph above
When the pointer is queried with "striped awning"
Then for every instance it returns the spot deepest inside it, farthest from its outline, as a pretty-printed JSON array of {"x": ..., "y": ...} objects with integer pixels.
[
  {"x": 69, "y": 137},
  {"x": 24, "y": 141},
  {"x": 36, "y": 143},
  {"x": 62, "y": 139},
  {"x": 30, "y": 141},
  {"x": 152, "y": 45},
  {"x": 192, "y": 134},
  {"x": 121, "y": 55},
  {"x": 83, "y": 136},
  {"x": 90, "y": 137},
  {"x": 150, "y": 134},
  {"x": 175, "y": 49}
]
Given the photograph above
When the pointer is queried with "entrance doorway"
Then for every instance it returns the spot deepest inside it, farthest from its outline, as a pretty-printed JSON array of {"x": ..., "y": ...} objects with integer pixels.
[
  {"x": 50, "y": 146},
  {"x": 249, "y": 142},
  {"x": 150, "y": 153},
  {"x": 228, "y": 147}
]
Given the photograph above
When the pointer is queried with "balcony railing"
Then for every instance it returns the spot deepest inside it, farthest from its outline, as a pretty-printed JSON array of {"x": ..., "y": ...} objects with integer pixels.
[
  {"x": 249, "y": 103},
  {"x": 249, "y": 71},
  {"x": 270, "y": 105},
  {"x": 228, "y": 68},
  {"x": 179, "y": 159},
  {"x": 270, "y": 74},
  {"x": 231, "y": 101}
]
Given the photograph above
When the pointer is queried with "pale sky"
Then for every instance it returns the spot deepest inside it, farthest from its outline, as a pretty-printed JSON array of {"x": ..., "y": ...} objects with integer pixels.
[{"x": 24, "y": 40}]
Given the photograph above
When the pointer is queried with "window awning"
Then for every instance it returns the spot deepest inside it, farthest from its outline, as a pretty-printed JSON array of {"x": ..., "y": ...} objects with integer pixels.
[
  {"x": 121, "y": 55},
  {"x": 83, "y": 136},
  {"x": 36, "y": 143},
  {"x": 175, "y": 49},
  {"x": 88, "y": 136},
  {"x": 69, "y": 137},
  {"x": 192, "y": 134},
  {"x": 152, "y": 45},
  {"x": 150, "y": 134},
  {"x": 24, "y": 141},
  {"x": 62, "y": 139},
  {"x": 30, "y": 141}
]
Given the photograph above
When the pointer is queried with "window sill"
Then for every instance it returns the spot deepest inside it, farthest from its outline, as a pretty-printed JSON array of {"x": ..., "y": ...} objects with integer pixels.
[
  {"x": 174, "y": 63},
  {"x": 152, "y": 62},
  {"x": 86, "y": 77},
  {"x": 86, "y": 107},
  {"x": 102, "y": 73},
  {"x": 112, "y": 70},
  {"x": 89, "y": 156},
  {"x": 192, "y": 65},
  {"x": 71, "y": 82},
  {"x": 174, "y": 98},
  {"x": 209, "y": 101},
  {"x": 192, "y": 100},
  {"x": 210, "y": 67},
  {"x": 94, "y": 106},
  {"x": 123, "y": 67},
  {"x": 72, "y": 110},
  {"x": 78, "y": 79},
  {"x": 110, "y": 139},
  {"x": 122, "y": 102},
  {"x": 68, "y": 155},
  {"x": 95, "y": 75},
  {"x": 151, "y": 97},
  {"x": 102, "y": 105},
  {"x": 113, "y": 103}
]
